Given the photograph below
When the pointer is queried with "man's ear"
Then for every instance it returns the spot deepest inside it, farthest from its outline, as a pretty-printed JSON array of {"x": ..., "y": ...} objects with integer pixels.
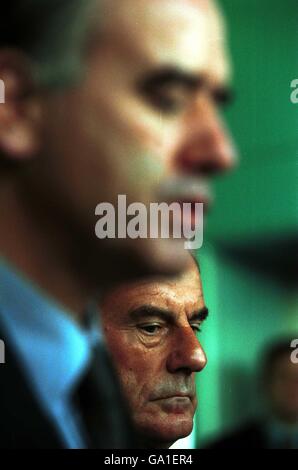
[{"x": 20, "y": 114}]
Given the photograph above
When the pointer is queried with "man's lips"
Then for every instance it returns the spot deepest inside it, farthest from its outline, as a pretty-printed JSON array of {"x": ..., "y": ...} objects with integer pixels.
[
  {"x": 177, "y": 403},
  {"x": 174, "y": 395},
  {"x": 187, "y": 190}
]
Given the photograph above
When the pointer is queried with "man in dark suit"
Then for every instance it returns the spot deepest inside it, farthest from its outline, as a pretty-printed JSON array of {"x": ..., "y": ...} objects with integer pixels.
[
  {"x": 278, "y": 427},
  {"x": 98, "y": 103}
]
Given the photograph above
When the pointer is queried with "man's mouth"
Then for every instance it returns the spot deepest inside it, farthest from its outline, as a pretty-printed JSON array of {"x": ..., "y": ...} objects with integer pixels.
[
  {"x": 187, "y": 189},
  {"x": 174, "y": 395},
  {"x": 189, "y": 193},
  {"x": 177, "y": 403}
]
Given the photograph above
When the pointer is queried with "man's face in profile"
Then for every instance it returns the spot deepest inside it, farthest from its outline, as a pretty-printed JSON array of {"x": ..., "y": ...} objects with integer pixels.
[
  {"x": 145, "y": 114},
  {"x": 151, "y": 328}
]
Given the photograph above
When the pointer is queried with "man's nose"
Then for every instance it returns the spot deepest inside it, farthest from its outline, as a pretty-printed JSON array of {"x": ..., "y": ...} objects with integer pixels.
[
  {"x": 207, "y": 148},
  {"x": 186, "y": 353}
]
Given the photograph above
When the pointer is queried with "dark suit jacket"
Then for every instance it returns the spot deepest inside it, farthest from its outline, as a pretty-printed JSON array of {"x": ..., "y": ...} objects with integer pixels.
[
  {"x": 23, "y": 425},
  {"x": 250, "y": 436}
]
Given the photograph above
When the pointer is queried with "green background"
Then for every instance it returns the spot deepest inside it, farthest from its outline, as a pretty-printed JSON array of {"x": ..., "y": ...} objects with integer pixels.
[{"x": 249, "y": 259}]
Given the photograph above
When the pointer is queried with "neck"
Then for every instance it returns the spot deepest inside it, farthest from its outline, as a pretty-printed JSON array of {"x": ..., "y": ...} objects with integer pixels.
[
  {"x": 43, "y": 251},
  {"x": 54, "y": 254}
]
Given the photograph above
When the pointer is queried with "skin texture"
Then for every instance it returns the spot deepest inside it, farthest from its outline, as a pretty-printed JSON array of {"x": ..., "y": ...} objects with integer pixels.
[
  {"x": 80, "y": 146},
  {"x": 282, "y": 391},
  {"x": 157, "y": 357}
]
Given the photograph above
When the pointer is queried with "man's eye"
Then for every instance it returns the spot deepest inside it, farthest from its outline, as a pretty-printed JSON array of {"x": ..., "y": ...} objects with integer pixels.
[
  {"x": 168, "y": 102},
  {"x": 196, "y": 327},
  {"x": 167, "y": 105},
  {"x": 150, "y": 329}
]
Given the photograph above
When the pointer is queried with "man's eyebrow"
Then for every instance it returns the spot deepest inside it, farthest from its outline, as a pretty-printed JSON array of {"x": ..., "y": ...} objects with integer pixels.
[
  {"x": 199, "y": 315},
  {"x": 172, "y": 76},
  {"x": 223, "y": 95},
  {"x": 146, "y": 311}
]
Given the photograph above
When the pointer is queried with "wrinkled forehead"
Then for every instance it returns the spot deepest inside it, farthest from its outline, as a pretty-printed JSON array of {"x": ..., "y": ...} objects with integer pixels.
[
  {"x": 183, "y": 291},
  {"x": 188, "y": 34}
]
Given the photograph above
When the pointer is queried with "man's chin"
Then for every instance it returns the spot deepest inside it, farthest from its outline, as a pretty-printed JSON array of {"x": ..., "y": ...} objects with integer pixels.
[
  {"x": 163, "y": 256},
  {"x": 128, "y": 260},
  {"x": 164, "y": 434}
]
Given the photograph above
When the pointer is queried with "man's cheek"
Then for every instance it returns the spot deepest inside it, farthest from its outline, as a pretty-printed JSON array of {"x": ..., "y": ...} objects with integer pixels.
[
  {"x": 126, "y": 353},
  {"x": 131, "y": 384},
  {"x": 134, "y": 372},
  {"x": 157, "y": 136},
  {"x": 150, "y": 130}
]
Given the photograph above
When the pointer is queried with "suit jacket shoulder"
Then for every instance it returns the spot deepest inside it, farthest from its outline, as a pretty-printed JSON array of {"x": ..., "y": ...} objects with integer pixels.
[{"x": 249, "y": 436}]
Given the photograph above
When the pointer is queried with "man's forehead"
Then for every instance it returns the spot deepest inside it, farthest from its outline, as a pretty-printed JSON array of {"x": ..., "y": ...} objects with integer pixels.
[
  {"x": 164, "y": 292},
  {"x": 181, "y": 33}
]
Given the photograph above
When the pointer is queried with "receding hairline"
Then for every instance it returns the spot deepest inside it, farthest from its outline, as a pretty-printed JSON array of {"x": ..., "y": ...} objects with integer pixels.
[
  {"x": 56, "y": 35},
  {"x": 51, "y": 36}
]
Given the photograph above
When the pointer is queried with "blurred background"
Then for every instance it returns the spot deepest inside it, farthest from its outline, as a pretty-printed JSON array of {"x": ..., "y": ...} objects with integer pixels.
[{"x": 249, "y": 260}]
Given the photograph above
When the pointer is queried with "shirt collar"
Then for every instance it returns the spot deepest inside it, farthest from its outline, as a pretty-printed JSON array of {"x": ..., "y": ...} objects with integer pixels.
[{"x": 52, "y": 347}]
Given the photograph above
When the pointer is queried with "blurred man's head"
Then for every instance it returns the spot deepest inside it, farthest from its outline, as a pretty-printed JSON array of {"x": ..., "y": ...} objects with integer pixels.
[
  {"x": 281, "y": 382},
  {"x": 141, "y": 113},
  {"x": 151, "y": 328}
]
